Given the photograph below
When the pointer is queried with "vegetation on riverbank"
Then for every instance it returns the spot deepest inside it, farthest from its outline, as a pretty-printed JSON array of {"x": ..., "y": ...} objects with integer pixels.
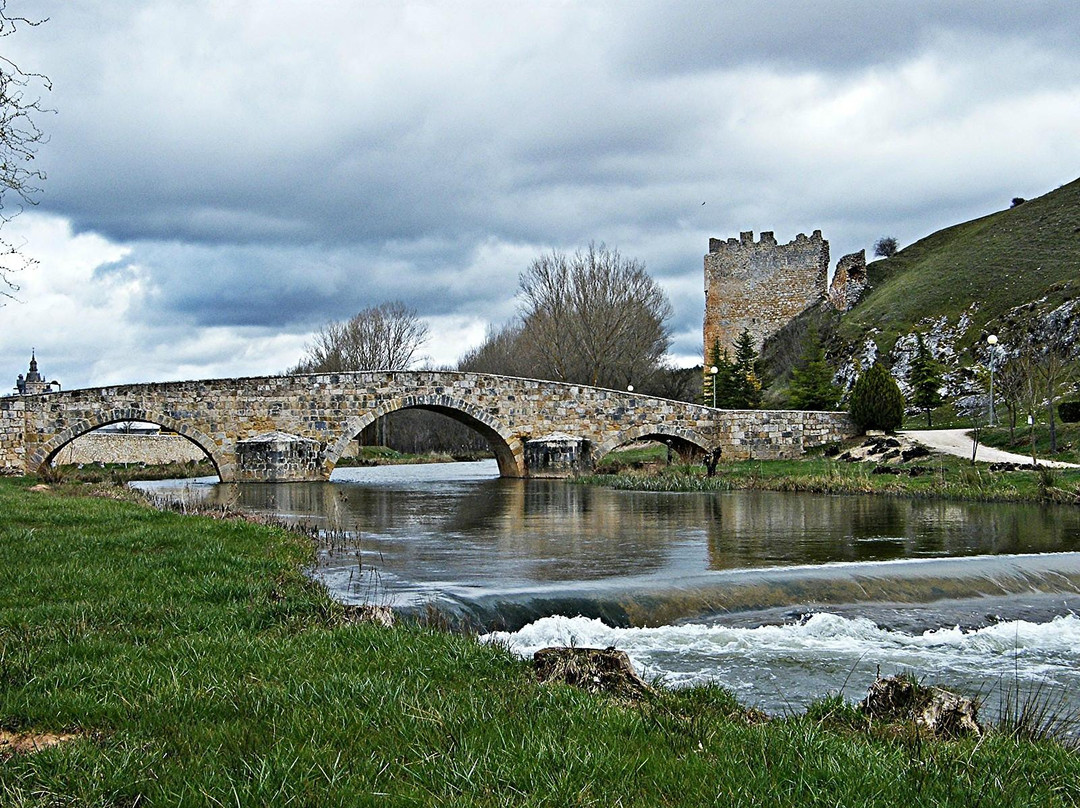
[
  {"x": 385, "y": 456},
  {"x": 188, "y": 661},
  {"x": 1019, "y": 441},
  {"x": 940, "y": 476},
  {"x": 123, "y": 473}
]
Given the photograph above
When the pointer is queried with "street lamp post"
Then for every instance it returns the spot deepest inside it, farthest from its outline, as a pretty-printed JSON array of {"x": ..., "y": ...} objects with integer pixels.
[
  {"x": 992, "y": 341},
  {"x": 714, "y": 370}
]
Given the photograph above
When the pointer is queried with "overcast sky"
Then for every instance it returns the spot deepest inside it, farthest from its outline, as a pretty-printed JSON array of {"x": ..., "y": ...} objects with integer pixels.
[{"x": 225, "y": 176}]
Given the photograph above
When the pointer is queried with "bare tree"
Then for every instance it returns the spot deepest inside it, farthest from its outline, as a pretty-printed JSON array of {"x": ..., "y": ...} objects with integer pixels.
[
  {"x": 383, "y": 337},
  {"x": 594, "y": 318},
  {"x": 20, "y": 138},
  {"x": 503, "y": 351},
  {"x": 1011, "y": 384}
]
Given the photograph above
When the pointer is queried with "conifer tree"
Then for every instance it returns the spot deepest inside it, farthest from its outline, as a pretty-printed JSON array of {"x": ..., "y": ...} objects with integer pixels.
[
  {"x": 746, "y": 384},
  {"x": 876, "y": 401},
  {"x": 926, "y": 380},
  {"x": 811, "y": 381}
]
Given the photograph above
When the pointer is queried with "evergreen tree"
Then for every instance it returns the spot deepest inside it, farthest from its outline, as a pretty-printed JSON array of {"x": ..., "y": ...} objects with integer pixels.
[
  {"x": 876, "y": 401},
  {"x": 811, "y": 381},
  {"x": 926, "y": 380},
  {"x": 746, "y": 384},
  {"x": 708, "y": 381}
]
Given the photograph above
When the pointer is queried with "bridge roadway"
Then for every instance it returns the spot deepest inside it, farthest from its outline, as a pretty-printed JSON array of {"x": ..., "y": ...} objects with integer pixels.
[{"x": 230, "y": 419}]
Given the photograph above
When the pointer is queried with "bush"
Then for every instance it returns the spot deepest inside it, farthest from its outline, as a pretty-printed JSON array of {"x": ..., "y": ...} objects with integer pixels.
[
  {"x": 876, "y": 401},
  {"x": 1069, "y": 411}
]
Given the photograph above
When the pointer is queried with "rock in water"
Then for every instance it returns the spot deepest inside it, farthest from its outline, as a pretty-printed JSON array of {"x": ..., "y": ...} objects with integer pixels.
[
  {"x": 594, "y": 669},
  {"x": 942, "y": 713}
]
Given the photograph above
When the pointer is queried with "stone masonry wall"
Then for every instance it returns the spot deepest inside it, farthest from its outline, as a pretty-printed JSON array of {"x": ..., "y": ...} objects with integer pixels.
[
  {"x": 106, "y": 447},
  {"x": 760, "y": 285},
  {"x": 332, "y": 408}
]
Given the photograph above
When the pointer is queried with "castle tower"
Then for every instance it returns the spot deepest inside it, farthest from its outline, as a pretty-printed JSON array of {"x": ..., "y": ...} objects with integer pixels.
[{"x": 760, "y": 285}]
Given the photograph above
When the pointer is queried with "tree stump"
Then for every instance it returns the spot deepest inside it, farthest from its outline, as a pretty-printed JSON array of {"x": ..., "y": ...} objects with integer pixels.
[
  {"x": 594, "y": 669},
  {"x": 941, "y": 712}
]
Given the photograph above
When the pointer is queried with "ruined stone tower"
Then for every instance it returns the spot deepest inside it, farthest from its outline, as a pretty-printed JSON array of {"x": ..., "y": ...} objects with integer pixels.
[{"x": 760, "y": 285}]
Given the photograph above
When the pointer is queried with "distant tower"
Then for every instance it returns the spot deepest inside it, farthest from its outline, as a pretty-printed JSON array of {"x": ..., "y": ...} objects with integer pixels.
[
  {"x": 33, "y": 383},
  {"x": 760, "y": 285}
]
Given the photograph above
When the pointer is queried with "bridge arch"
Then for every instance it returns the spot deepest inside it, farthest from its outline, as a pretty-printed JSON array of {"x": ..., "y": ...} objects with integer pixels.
[
  {"x": 44, "y": 454},
  {"x": 684, "y": 442},
  {"x": 508, "y": 448}
]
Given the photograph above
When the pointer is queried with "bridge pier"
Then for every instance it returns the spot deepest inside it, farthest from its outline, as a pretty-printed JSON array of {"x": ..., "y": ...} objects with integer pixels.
[
  {"x": 557, "y": 455},
  {"x": 278, "y": 457}
]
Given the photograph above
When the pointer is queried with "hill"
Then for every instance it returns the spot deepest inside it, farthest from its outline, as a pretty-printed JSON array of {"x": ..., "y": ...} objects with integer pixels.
[{"x": 985, "y": 268}]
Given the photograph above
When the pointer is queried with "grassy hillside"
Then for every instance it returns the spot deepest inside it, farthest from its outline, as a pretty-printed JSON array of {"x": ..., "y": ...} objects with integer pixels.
[{"x": 999, "y": 261}]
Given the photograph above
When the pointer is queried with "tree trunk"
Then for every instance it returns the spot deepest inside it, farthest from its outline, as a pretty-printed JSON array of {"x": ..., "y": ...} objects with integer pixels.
[{"x": 1053, "y": 429}]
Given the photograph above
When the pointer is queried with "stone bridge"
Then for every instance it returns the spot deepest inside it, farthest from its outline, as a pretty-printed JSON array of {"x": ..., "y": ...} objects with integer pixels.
[{"x": 297, "y": 427}]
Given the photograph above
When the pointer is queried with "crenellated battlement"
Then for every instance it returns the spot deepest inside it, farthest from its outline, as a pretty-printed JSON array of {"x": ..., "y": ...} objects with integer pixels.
[{"x": 768, "y": 239}]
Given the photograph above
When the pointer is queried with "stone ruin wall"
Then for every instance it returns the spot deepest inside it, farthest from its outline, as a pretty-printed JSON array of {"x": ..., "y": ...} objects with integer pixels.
[
  {"x": 760, "y": 285},
  {"x": 849, "y": 281}
]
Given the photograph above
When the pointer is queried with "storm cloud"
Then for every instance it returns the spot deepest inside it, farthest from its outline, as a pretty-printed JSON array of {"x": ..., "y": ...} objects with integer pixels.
[{"x": 251, "y": 170}]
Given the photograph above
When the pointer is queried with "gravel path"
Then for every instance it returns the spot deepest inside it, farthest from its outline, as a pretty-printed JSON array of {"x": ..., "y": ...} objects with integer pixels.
[{"x": 958, "y": 442}]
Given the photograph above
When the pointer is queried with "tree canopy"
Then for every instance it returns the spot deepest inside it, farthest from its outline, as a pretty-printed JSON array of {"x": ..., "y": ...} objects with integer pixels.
[
  {"x": 594, "y": 317},
  {"x": 926, "y": 380},
  {"x": 382, "y": 337},
  {"x": 811, "y": 386},
  {"x": 876, "y": 400}
]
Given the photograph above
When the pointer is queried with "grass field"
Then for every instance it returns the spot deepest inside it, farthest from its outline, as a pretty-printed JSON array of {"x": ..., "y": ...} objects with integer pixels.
[
  {"x": 939, "y": 476},
  {"x": 193, "y": 663}
]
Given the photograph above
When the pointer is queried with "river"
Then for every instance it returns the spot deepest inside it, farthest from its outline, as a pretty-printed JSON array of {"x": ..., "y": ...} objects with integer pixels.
[{"x": 780, "y": 597}]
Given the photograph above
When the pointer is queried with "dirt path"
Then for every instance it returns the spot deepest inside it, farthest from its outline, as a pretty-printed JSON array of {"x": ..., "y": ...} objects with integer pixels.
[{"x": 958, "y": 442}]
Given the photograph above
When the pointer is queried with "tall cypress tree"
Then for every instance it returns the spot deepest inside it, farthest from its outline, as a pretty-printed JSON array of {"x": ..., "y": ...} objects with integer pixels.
[
  {"x": 746, "y": 383},
  {"x": 811, "y": 381},
  {"x": 926, "y": 380}
]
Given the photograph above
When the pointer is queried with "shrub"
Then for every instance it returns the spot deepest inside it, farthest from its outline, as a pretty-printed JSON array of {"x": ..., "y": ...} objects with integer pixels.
[
  {"x": 876, "y": 401},
  {"x": 1069, "y": 411},
  {"x": 1017, "y": 201}
]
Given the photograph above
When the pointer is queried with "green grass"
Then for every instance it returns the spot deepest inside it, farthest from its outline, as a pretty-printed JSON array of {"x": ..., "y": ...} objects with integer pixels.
[
  {"x": 121, "y": 473},
  {"x": 943, "y": 477},
  {"x": 199, "y": 666},
  {"x": 1068, "y": 441},
  {"x": 650, "y": 455}
]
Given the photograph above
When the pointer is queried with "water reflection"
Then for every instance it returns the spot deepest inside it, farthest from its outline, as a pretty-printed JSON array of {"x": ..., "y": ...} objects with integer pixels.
[{"x": 461, "y": 524}]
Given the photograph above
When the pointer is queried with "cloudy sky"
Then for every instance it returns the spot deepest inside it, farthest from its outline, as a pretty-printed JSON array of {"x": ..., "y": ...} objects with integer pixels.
[{"x": 225, "y": 176}]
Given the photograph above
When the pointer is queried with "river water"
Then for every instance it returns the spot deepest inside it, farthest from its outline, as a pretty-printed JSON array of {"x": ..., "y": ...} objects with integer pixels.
[{"x": 780, "y": 597}]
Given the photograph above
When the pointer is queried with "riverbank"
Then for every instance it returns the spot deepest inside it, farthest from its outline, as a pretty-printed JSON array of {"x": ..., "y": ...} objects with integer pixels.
[
  {"x": 184, "y": 660},
  {"x": 385, "y": 456},
  {"x": 935, "y": 476}
]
